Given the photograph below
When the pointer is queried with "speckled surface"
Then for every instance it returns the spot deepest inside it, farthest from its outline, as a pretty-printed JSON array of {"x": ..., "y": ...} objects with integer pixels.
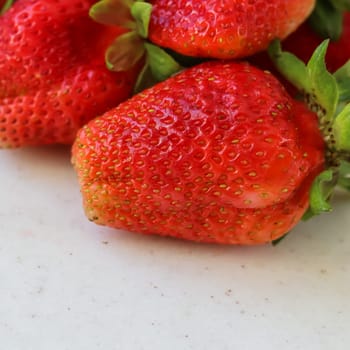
[{"x": 69, "y": 284}]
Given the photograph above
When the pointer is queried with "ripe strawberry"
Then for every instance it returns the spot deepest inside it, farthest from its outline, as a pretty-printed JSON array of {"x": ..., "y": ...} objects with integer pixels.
[
  {"x": 223, "y": 29},
  {"x": 53, "y": 74},
  {"x": 217, "y": 153}
]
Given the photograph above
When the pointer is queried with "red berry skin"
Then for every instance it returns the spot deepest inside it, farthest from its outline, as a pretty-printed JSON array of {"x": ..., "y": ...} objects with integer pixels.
[
  {"x": 224, "y": 29},
  {"x": 218, "y": 153},
  {"x": 53, "y": 73}
]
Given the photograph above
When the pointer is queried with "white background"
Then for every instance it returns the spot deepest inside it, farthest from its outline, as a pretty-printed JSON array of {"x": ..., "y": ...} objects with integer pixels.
[{"x": 68, "y": 284}]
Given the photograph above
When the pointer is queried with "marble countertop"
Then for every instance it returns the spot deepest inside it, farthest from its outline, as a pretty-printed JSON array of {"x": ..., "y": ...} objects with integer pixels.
[{"x": 68, "y": 284}]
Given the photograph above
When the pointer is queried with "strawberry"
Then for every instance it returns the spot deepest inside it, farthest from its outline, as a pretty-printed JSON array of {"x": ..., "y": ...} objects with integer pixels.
[
  {"x": 217, "y": 153},
  {"x": 53, "y": 73},
  {"x": 223, "y": 29}
]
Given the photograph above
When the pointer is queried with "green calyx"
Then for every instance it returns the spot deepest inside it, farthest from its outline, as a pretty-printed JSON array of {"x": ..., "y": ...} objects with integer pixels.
[
  {"x": 327, "y": 17},
  {"x": 7, "y": 4},
  {"x": 132, "y": 47},
  {"x": 329, "y": 97}
]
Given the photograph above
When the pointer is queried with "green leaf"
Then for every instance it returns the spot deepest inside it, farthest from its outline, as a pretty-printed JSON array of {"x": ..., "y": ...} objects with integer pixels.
[
  {"x": 7, "y": 4},
  {"x": 344, "y": 91},
  {"x": 341, "y": 129},
  {"x": 342, "y": 76},
  {"x": 327, "y": 19},
  {"x": 141, "y": 12},
  {"x": 321, "y": 190},
  {"x": 343, "y": 5},
  {"x": 324, "y": 94},
  {"x": 125, "y": 52},
  {"x": 308, "y": 215},
  {"x": 344, "y": 175},
  {"x": 145, "y": 79},
  {"x": 158, "y": 67},
  {"x": 313, "y": 80},
  {"x": 343, "y": 71},
  {"x": 291, "y": 67},
  {"x": 113, "y": 12},
  {"x": 162, "y": 65}
]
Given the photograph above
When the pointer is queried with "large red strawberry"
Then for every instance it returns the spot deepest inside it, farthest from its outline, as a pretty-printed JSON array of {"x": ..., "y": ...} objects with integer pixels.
[
  {"x": 222, "y": 29},
  {"x": 218, "y": 153},
  {"x": 53, "y": 73}
]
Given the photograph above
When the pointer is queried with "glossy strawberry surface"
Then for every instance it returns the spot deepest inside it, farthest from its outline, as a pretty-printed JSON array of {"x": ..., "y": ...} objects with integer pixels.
[
  {"x": 226, "y": 28},
  {"x": 53, "y": 74},
  {"x": 217, "y": 153}
]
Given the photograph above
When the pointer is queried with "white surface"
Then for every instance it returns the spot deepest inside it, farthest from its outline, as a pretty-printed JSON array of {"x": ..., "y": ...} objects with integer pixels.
[{"x": 67, "y": 284}]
